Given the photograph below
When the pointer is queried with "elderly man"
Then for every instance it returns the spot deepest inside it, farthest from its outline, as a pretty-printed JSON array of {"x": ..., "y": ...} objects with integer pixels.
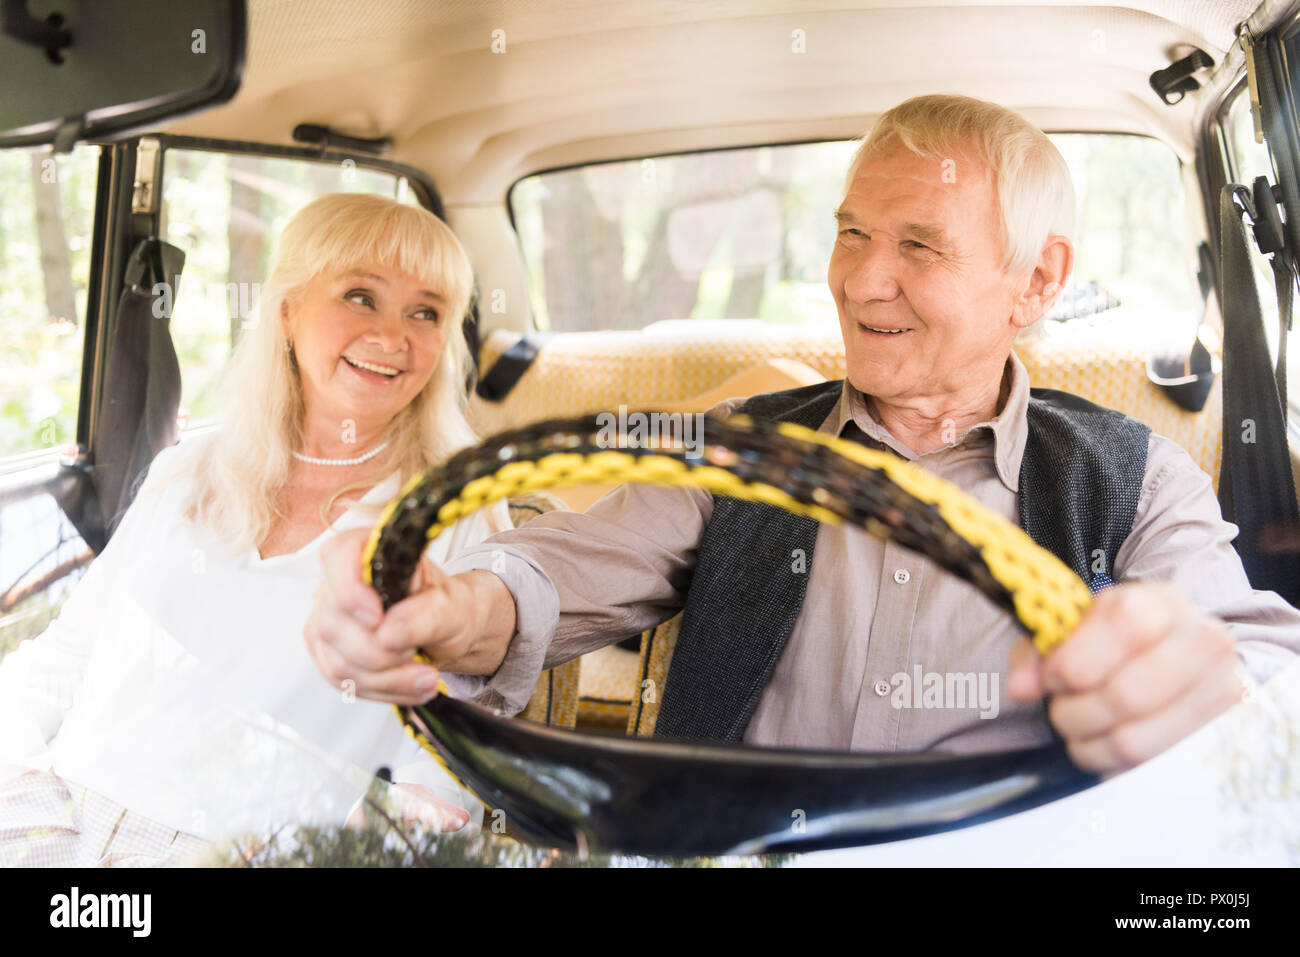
[{"x": 953, "y": 235}]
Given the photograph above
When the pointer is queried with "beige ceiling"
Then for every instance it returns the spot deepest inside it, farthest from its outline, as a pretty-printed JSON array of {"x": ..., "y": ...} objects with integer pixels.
[{"x": 581, "y": 80}]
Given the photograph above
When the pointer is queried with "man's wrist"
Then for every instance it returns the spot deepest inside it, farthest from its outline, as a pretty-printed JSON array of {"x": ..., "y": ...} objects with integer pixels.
[
  {"x": 528, "y": 614},
  {"x": 494, "y": 620}
]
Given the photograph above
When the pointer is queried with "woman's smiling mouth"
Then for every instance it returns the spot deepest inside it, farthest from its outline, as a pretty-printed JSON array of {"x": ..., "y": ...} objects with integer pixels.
[{"x": 372, "y": 371}]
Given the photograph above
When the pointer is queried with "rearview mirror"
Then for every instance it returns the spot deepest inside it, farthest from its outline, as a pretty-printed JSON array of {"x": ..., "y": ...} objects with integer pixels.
[{"x": 95, "y": 69}]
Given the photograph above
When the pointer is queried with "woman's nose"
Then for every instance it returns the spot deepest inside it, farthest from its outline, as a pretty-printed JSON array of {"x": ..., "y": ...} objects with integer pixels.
[{"x": 387, "y": 330}]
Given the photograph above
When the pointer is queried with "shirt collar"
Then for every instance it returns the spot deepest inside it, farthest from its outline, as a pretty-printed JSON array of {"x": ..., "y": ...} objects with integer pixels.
[{"x": 1009, "y": 428}]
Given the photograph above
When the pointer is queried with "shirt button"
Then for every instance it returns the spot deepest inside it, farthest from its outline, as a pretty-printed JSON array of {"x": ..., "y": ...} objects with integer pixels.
[
  {"x": 882, "y": 687},
  {"x": 901, "y": 575}
]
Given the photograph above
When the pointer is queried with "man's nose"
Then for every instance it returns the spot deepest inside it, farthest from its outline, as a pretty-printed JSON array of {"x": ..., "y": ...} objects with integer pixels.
[{"x": 872, "y": 273}]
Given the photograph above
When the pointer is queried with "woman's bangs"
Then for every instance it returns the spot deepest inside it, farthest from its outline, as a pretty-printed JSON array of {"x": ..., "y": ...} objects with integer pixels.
[{"x": 401, "y": 239}]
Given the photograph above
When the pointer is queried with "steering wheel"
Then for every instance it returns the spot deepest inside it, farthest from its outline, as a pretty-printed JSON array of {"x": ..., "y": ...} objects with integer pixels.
[{"x": 581, "y": 790}]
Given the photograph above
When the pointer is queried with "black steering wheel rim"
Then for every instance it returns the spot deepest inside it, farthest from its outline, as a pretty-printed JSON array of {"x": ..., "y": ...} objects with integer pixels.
[{"x": 658, "y": 796}]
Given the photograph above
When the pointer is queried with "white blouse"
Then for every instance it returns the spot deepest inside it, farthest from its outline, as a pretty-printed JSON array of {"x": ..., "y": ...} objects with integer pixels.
[{"x": 176, "y": 682}]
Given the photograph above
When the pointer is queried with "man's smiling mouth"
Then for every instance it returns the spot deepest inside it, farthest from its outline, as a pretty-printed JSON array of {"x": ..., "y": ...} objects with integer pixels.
[
  {"x": 883, "y": 331},
  {"x": 377, "y": 369}
]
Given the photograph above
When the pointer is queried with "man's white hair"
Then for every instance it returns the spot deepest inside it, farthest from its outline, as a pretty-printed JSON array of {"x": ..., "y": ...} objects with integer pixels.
[{"x": 1034, "y": 190}]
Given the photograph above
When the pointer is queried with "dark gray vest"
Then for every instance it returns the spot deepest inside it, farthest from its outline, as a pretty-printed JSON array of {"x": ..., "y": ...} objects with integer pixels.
[{"x": 1080, "y": 479}]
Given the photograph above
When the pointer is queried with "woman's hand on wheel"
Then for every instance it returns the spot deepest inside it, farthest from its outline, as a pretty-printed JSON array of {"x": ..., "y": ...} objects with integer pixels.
[{"x": 463, "y": 623}]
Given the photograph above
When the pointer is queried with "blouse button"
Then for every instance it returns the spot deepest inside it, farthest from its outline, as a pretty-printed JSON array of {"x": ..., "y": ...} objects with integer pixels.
[
  {"x": 901, "y": 576},
  {"x": 882, "y": 687}
]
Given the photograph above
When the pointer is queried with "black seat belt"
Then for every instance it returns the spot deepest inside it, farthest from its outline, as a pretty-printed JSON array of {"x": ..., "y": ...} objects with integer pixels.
[
  {"x": 1256, "y": 487},
  {"x": 1284, "y": 280},
  {"x": 142, "y": 386},
  {"x": 510, "y": 367}
]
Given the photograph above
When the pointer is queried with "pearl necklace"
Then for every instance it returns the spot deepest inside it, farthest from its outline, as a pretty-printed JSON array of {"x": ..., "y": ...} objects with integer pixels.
[{"x": 355, "y": 461}]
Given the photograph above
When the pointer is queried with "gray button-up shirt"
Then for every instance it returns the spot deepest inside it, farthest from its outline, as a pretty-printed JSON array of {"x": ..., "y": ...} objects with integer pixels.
[{"x": 890, "y": 652}]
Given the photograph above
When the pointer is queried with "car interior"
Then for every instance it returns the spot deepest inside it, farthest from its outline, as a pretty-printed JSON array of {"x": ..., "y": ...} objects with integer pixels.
[{"x": 645, "y": 189}]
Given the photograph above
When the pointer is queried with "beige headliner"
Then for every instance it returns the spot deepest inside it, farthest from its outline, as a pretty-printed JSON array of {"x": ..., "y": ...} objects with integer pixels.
[{"x": 583, "y": 80}]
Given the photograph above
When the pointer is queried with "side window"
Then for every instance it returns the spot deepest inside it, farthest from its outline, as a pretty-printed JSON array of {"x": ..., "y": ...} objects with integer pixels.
[
  {"x": 226, "y": 210},
  {"x": 46, "y": 219},
  {"x": 45, "y": 227},
  {"x": 1248, "y": 159}
]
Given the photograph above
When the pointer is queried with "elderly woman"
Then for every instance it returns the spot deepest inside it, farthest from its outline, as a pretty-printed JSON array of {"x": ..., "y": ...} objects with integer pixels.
[{"x": 172, "y": 701}]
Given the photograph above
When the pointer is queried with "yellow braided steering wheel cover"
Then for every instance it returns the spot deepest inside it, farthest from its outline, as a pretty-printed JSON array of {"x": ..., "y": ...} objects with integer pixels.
[{"x": 1049, "y": 598}]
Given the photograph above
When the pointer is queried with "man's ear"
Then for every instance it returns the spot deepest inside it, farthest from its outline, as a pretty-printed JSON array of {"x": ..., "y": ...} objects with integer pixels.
[{"x": 1045, "y": 283}]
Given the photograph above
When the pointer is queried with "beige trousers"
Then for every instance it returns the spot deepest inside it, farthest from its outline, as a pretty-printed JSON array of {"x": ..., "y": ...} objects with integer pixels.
[{"x": 46, "y": 821}]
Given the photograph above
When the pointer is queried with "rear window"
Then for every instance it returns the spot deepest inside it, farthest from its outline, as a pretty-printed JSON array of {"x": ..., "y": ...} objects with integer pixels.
[{"x": 747, "y": 233}]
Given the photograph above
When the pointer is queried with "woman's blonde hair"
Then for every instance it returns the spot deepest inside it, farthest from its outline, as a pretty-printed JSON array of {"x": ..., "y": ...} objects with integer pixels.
[
  {"x": 1035, "y": 193},
  {"x": 240, "y": 474}
]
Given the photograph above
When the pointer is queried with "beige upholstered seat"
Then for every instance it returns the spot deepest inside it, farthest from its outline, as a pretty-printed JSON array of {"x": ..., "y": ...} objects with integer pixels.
[
  {"x": 555, "y": 699},
  {"x": 1099, "y": 358},
  {"x": 657, "y": 646},
  {"x": 605, "y": 695}
]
